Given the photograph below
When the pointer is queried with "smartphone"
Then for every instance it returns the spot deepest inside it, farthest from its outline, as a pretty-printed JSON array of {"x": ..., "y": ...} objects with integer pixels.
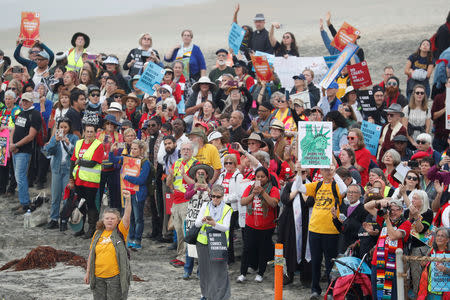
[
  {"x": 164, "y": 106},
  {"x": 60, "y": 132},
  {"x": 209, "y": 218},
  {"x": 146, "y": 53},
  {"x": 201, "y": 179},
  {"x": 235, "y": 146},
  {"x": 257, "y": 183},
  {"x": 375, "y": 190},
  {"x": 92, "y": 57},
  {"x": 106, "y": 139},
  {"x": 17, "y": 69}
]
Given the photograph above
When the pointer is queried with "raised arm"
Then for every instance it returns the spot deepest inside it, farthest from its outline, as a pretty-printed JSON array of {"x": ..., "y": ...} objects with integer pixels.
[
  {"x": 127, "y": 211},
  {"x": 236, "y": 10}
]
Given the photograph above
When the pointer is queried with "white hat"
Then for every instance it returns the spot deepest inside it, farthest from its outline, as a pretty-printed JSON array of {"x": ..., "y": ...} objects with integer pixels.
[
  {"x": 204, "y": 79},
  {"x": 28, "y": 96},
  {"x": 167, "y": 87},
  {"x": 115, "y": 107},
  {"x": 349, "y": 89},
  {"x": 111, "y": 60},
  {"x": 214, "y": 136}
]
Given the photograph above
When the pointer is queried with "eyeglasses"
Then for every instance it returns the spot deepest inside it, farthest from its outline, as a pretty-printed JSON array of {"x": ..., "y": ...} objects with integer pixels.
[
  {"x": 286, "y": 37},
  {"x": 351, "y": 138},
  {"x": 281, "y": 101},
  {"x": 393, "y": 83},
  {"x": 421, "y": 142},
  {"x": 163, "y": 91},
  {"x": 11, "y": 88},
  {"x": 347, "y": 109},
  {"x": 413, "y": 178},
  {"x": 419, "y": 93},
  {"x": 34, "y": 52},
  {"x": 117, "y": 96},
  {"x": 215, "y": 196},
  {"x": 146, "y": 39},
  {"x": 95, "y": 95},
  {"x": 228, "y": 163},
  {"x": 353, "y": 192}
]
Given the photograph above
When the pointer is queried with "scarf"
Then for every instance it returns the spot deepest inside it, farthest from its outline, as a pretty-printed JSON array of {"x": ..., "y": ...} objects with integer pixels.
[
  {"x": 265, "y": 206},
  {"x": 297, "y": 208},
  {"x": 200, "y": 98},
  {"x": 129, "y": 113},
  {"x": 216, "y": 211},
  {"x": 386, "y": 267}
]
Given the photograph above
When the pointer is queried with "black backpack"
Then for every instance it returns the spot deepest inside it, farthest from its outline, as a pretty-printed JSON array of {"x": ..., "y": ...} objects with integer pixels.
[{"x": 310, "y": 200}]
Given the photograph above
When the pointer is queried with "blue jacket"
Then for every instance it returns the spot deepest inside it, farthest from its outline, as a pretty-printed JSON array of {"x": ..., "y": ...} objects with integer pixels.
[
  {"x": 140, "y": 180},
  {"x": 331, "y": 49},
  {"x": 339, "y": 134},
  {"x": 29, "y": 64},
  {"x": 48, "y": 110},
  {"x": 196, "y": 62},
  {"x": 53, "y": 149}
]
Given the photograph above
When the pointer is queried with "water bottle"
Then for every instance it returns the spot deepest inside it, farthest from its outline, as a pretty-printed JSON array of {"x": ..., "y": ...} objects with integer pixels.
[{"x": 27, "y": 219}]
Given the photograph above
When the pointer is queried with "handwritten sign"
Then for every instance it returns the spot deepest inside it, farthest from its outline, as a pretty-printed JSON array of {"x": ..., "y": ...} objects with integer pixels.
[
  {"x": 346, "y": 34},
  {"x": 235, "y": 37},
  {"x": 4, "y": 147},
  {"x": 371, "y": 134},
  {"x": 152, "y": 75},
  {"x": 131, "y": 167},
  {"x": 360, "y": 75},
  {"x": 338, "y": 65},
  {"x": 262, "y": 68},
  {"x": 315, "y": 144},
  {"x": 270, "y": 57},
  {"x": 29, "y": 28},
  {"x": 440, "y": 282}
]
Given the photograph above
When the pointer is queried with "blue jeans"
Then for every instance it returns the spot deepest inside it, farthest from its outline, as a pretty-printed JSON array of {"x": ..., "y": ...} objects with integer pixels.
[
  {"x": 59, "y": 182},
  {"x": 136, "y": 220},
  {"x": 373, "y": 279},
  {"x": 189, "y": 264},
  {"x": 21, "y": 163}
]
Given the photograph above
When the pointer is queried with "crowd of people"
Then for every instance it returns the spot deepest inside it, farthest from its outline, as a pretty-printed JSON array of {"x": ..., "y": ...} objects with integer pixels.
[{"x": 217, "y": 152}]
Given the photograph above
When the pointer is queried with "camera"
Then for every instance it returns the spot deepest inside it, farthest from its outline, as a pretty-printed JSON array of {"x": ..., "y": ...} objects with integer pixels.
[
  {"x": 382, "y": 210},
  {"x": 164, "y": 106},
  {"x": 413, "y": 164}
]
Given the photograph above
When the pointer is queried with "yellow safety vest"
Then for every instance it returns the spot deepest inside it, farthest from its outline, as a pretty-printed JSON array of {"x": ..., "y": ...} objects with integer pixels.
[
  {"x": 73, "y": 65},
  {"x": 202, "y": 238},
  {"x": 84, "y": 173},
  {"x": 342, "y": 82},
  {"x": 178, "y": 178}
]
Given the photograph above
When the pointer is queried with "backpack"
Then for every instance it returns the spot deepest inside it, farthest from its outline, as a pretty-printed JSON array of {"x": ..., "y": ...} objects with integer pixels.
[{"x": 333, "y": 189}]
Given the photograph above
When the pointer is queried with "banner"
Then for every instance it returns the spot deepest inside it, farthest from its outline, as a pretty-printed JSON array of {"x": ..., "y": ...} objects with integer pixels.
[
  {"x": 29, "y": 28},
  {"x": 315, "y": 144},
  {"x": 360, "y": 75},
  {"x": 447, "y": 109},
  {"x": 338, "y": 65},
  {"x": 152, "y": 75},
  {"x": 131, "y": 167},
  {"x": 439, "y": 282},
  {"x": 286, "y": 68},
  {"x": 371, "y": 133},
  {"x": 235, "y": 37},
  {"x": 367, "y": 102},
  {"x": 4, "y": 147},
  {"x": 329, "y": 60},
  {"x": 346, "y": 34},
  {"x": 262, "y": 68}
]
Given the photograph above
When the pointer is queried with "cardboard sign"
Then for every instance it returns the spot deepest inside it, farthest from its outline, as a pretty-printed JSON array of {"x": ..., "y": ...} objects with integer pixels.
[
  {"x": 29, "y": 28},
  {"x": 447, "y": 109},
  {"x": 152, "y": 75},
  {"x": 367, "y": 102},
  {"x": 131, "y": 167},
  {"x": 346, "y": 34},
  {"x": 371, "y": 134},
  {"x": 360, "y": 75},
  {"x": 338, "y": 65},
  {"x": 262, "y": 68},
  {"x": 4, "y": 147},
  {"x": 315, "y": 144},
  {"x": 235, "y": 37}
]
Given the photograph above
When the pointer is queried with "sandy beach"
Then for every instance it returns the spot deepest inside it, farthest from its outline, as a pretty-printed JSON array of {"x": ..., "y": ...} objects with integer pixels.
[{"x": 391, "y": 31}]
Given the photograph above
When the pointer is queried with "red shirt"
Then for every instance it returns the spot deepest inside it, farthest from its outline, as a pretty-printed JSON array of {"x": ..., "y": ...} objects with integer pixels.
[
  {"x": 405, "y": 226},
  {"x": 285, "y": 171},
  {"x": 226, "y": 182},
  {"x": 257, "y": 220},
  {"x": 97, "y": 157},
  {"x": 363, "y": 157}
]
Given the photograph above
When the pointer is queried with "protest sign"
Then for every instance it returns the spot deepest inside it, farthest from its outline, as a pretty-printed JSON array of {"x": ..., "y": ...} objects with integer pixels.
[
  {"x": 235, "y": 37},
  {"x": 29, "y": 28},
  {"x": 152, "y": 75},
  {"x": 427, "y": 237},
  {"x": 447, "y": 109},
  {"x": 367, "y": 102},
  {"x": 4, "y": 147},
  {"x": 338, "y": 65},
  {"x": 217, "y": 244},
  {"x": 131, "y": 167},
  {"x": 439, "y": 282},
  {"x": 270, "y": 57},
  {"x": 371, "y": 133},
  {"x": 360, "y": 75},
  {"x": 354, "y": 263},
  {"x": 346, "y": 34},
  {"x": 315, "y": 144},
  {"x": 286, "y": 68},
  {"x": 329, "y": 60},
  {"x": 262, "y": 68},
  {"x": 400, "y": 172},
  {"x": 304, "y": 96}
]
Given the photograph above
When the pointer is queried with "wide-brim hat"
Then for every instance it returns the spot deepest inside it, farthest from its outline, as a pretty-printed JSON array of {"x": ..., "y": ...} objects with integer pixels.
[
  {"x": 198, "y": 132},
  {"x": 110, "y": 119},
  {"x": 120, "y": 92},
  {"x": 209, "y": 170},
  {"x": 124, "y": 100},
  {"x": 130, "y": 82},
  {"x": 277, "y": 124},
  {"x": 348, "y": 90},
  {"x": 204, "y": 79},
  {"x": 255, "y": 137},
  {"x": 395, "y": 108},
  {"x": 115, "y": 107},
  {"x": 76, "y": 220},
  {"x": 87, "y": 40}
]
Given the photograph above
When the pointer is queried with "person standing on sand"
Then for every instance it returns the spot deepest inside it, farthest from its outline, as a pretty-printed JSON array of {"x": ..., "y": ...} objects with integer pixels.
[{"x": 108, "y": 267}]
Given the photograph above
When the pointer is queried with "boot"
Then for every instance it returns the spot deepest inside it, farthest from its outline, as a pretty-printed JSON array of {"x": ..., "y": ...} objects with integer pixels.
[
  {"x": 63, "y": 225},
  {"x": 92, "y": 221}
]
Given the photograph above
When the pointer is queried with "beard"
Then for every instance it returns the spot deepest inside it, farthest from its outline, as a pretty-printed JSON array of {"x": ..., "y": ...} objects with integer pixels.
[
  {"x": 391, "y": 91},
  {"x": 195, "y": 148},
  {"x": 170, "y": 150}
]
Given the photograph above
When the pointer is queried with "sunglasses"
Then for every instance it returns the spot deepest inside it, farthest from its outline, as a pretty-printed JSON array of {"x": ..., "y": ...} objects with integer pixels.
[
  {"x": 34, "y": 52},
  {"x": 303, "y": 172},
  {"x": 316, "y": 110},
  {"x": 95, "y": 95},
  {"x": 390, "y": 115},
  {"x": 12, "y": 88},
  {"x": 117, "y": 96},
  {"x": 215, "y": 196},
  {"x": 147, "y": 39},
  {"x": 280, "y": 101},
  {"x": 421, "y": 142},
  {"x": 105, "y": 77},
  {"x": 153, "y": 125},
  {"x": 164, "y": 91},
  {"x": 419, "y": 93},
  {"x": 347, "y": 109},
  {"x": 351, "y": 138},
  {"x": 391, "y": 83},
  {"x": 228, "y": 163},
  {"x": 413, "y": 178}
]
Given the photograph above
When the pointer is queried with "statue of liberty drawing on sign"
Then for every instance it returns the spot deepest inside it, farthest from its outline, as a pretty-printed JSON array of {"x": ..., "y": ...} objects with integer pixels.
[{"x": 314, "y": 146}]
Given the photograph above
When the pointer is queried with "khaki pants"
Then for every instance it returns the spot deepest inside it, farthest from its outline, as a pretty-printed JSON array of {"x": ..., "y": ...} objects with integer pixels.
[
  {"x": 179, "y": 212},
  {"x": 109, "y": 289}
]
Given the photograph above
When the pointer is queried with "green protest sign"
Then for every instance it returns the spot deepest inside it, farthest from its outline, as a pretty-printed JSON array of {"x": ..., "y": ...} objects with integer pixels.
[{"x": 315, "y": 144}]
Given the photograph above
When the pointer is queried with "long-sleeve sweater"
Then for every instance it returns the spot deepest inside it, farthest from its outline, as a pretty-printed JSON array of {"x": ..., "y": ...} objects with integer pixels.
[
  {"x": 221, "y": 227},
  {"x": 196, "y": 62},
  {"x": 29, "y": 64}
]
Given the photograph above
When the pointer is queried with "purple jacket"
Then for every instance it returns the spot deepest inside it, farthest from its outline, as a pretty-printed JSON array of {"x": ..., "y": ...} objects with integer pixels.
[{"x": 441, "y": 176}]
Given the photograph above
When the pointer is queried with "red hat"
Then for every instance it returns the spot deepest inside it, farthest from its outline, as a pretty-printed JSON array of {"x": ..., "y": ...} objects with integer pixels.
[
  {"x": 202, "y": 124},
  {"x": 419, "y": 154}
]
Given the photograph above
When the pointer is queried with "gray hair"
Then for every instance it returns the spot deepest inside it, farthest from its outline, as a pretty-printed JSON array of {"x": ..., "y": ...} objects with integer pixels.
[
  {"x": 218, "y": 189},
  {"x": 424, "y": 137},
  {"x": 395, "y": 156},
  {"x": 241, "y": 115},
  {"x": 170, "y": 102},
  {"x": 447, "y": 233},
  {"x": 262, "y": 156},
  {"x": 424, "y": 196},
  {"x": 10, "y": 93},
  {"x": 188, "y": 143},
  {"x": 276, "y": 95}
]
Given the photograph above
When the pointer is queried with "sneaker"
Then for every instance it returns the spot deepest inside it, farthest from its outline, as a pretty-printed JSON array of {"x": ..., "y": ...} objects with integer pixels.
[
  {"x": 241, "y": 278},
  {"x": 258, "y": 278},
  {"x": 52, "y": 225},
  {"x": 186, "y": 275},
  {"x": 314, "y": 296},
  {"x": 21, "y": 210},
  {"x": 177, "y": 264},
  {"x": 130, "y": 244}
]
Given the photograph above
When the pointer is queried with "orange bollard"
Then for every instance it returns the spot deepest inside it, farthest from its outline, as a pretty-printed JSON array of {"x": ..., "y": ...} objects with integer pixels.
[{"x": 278, "y": 271}]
